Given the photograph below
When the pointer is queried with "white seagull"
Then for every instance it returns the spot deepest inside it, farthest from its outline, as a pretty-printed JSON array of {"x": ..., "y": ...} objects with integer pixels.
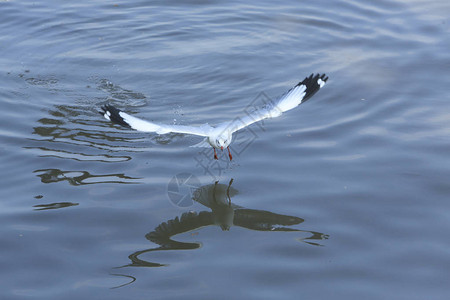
[{"x": 220, "y": 136}]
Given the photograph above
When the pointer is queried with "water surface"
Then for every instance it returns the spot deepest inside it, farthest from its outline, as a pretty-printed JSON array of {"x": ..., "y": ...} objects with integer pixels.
[{"x": 343, "y": 197}]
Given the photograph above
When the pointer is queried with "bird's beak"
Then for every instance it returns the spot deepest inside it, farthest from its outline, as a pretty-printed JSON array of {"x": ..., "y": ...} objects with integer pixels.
[{"x": 221, "y": 148}]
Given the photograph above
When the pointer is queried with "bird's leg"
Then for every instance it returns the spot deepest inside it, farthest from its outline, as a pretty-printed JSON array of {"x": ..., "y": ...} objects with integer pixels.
[
  {"x": 215, "y": 154},
  {"x": 229, "y": 153},
  {"x": 228, "y": 192},
  {"x": 214, "y": 191}
]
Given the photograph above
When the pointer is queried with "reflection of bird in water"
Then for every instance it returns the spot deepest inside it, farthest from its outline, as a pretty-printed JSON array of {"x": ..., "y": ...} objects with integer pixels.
[
  {"x": 223, "y": 213},
  {"x": 218, "y": 198}
]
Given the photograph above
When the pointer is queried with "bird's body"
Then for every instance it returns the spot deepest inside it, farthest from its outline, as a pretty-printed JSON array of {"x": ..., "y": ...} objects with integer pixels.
[{"x": 221, "y": 135}]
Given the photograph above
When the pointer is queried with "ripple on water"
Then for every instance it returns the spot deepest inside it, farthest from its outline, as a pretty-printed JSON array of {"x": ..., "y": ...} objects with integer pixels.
[{"x": 336, "y": 192}]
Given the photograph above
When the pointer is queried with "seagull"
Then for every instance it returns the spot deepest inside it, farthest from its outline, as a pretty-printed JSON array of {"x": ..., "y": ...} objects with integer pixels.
[{"x": 221, "y": 135}]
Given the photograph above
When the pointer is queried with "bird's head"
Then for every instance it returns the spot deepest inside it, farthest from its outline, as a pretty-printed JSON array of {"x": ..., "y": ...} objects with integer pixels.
[{"x": 223, "y": 141}]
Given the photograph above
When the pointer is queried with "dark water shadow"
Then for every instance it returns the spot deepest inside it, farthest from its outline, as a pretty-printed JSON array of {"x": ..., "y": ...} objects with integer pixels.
[
  {"x": 76, "y": 131},
  {"x": 83, "y": 177},
  {"x": 77, "y": 178},
  {"x": 223, "y": 213},
  {"x": 55, "y": 205}
]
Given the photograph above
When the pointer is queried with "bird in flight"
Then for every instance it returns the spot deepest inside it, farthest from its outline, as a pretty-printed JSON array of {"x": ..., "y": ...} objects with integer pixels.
[{"x": 221, "y": 135}]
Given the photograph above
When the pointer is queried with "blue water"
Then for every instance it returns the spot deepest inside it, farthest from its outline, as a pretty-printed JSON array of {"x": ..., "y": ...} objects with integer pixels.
[{"x": 345, "y": 197}]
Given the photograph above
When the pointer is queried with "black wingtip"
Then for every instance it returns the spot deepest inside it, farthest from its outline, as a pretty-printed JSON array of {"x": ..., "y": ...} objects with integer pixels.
[
  {"x": 313, "y": 83},
  {"x": 113, "y": 114}
]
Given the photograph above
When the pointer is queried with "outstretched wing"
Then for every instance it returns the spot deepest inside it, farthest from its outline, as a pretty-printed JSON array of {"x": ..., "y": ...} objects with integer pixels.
[
  {"x": 119, "y": 117},
  {"x": 294, "y": 97}
]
